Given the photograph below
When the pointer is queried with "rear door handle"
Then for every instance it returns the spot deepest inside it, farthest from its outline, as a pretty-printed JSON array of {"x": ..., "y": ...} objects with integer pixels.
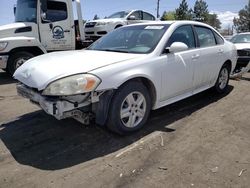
[{"x": 195, "y": 56}]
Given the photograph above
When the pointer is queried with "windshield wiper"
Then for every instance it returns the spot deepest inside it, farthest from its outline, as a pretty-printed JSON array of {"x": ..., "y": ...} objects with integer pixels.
[{"x": 114, "y": 50}]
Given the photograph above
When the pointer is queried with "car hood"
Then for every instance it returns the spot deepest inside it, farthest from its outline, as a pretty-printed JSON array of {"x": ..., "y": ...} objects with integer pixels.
[
  {"x": 42, "y": 70},
  {"x": 10, "y": 30},
  {"x": 107, "y": 20},
  {"x": 241, "y": 46}
]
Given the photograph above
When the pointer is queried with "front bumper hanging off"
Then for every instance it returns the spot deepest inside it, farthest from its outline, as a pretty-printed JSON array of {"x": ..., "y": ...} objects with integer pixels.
[
  {"x": 242, "y": 71},
  {"x": 60, "y": 109}
]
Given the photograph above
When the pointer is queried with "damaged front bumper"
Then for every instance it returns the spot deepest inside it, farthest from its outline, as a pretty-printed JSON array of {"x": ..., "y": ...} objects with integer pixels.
[
  {"x": 243, "y": 63},
  {"x": 57, "y": 107}
]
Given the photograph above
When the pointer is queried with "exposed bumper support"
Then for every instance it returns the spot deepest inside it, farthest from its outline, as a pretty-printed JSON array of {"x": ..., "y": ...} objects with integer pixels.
[
  {"x": 60, "y": 109},
  {"x": 243, "y": 71},
  {"x": 3, "y": 61}
]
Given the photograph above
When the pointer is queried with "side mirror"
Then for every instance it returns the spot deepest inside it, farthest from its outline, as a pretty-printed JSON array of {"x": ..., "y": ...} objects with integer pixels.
[
  {"x": 132, "y": 17},
  {"x": 177, "y": 47},
  {"x": 43, "y": 16}
]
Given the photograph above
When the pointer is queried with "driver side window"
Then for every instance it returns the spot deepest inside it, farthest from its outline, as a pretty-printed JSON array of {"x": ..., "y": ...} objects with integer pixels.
[
  {"x": 137, "y": 15},
  {"x": 56, "y": 11},
  {"x": 183, "y": 34}
]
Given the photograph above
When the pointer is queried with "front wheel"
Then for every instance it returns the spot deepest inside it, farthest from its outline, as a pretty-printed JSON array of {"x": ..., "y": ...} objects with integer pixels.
[
  {"x": 129, "y": 109},
  {"x": 223, "y": 79},
  {"x": 17, "y": 59}
]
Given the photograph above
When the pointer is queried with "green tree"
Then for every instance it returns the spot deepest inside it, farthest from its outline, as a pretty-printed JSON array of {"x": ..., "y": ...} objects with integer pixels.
[
  {"x": 201, "y": 12},
  {"x": 213, "y": 20},
  {"x": 242, "y": 24},
  {"x": 183, "y": 12},
  {"x": 168, "y": 15}
]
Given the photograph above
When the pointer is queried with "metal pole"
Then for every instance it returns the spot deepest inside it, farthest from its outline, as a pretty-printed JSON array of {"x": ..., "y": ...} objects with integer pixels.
[{"x": 158, "y": 7}]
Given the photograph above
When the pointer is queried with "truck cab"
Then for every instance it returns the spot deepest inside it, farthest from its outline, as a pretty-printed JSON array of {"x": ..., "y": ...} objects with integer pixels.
[{"x": 41, "y": 26}]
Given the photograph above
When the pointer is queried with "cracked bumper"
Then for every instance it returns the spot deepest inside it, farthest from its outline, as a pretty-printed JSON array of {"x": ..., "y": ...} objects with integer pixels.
[{"x": 57, "y": 108}]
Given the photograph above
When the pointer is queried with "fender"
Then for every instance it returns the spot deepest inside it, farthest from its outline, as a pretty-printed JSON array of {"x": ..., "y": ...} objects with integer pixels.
[{"x": 19, "y": 42}]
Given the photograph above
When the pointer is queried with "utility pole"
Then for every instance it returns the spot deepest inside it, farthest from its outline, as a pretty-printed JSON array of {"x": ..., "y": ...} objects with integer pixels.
[{"x": 158, "y": 7}]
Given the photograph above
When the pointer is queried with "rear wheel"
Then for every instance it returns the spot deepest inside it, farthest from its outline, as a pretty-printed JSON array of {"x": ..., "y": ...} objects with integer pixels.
[
  {"x": 129, "y": 109},
  {"x": 17, "y": 59},
  {"x": 223, "y": 79}
]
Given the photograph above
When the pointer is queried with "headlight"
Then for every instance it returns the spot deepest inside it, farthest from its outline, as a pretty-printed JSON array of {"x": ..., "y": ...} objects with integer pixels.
[
  {"x": 3, "y": 45},
  {"x": 72, "y": 85},
  {"x": 101, "y": 23}
]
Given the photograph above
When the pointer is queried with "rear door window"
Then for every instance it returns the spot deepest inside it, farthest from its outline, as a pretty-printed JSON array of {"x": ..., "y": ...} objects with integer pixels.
[
  {"x": 147, "y": 16},
  {"x": 205, "y": 36}
]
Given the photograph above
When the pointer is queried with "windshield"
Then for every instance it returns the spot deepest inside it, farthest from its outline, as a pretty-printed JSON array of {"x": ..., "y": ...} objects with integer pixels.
[
  {"x": 121, "y": 14},
  {"x": 133, "y": 39},
  {"x": 242, "y": 38},
  {"x": 26, "y": 11}
]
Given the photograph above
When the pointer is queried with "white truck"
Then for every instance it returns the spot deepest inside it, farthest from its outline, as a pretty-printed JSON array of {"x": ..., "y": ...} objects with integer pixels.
[{"x": 41, "y": 26}]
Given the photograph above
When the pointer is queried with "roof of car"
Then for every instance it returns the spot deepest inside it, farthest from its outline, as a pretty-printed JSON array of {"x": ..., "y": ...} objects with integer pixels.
[
  {"x": 243, "y": 33},
  {"x": 181, "y": 22}
]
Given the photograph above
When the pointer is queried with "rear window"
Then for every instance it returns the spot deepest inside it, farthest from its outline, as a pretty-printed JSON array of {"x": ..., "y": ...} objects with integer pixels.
[{"x": 219, "y": 39}]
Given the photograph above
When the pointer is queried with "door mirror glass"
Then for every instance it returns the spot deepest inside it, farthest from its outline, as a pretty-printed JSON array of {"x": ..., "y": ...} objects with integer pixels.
[
  {"x": 177, "y": 47},
  {"x": 43, "y": 16}
]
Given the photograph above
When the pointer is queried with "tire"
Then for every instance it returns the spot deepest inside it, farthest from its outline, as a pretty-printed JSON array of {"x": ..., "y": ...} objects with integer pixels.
[
  {"x": 16, "y": 60},
  {"x": 223, "y": 79},
  {"x": 133, "y": 101}
]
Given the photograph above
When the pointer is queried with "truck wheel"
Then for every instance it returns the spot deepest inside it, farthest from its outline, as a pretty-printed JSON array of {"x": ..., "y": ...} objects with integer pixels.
[
  {"x": 130, "y": 108},
  {"x": 223, "y": 79},
  {"x": 17, "y": 59}
]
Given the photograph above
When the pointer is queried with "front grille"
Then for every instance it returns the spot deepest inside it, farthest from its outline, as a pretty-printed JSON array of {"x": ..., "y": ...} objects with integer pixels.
[
  {"x": 90, "y": 24},
  {"x": 244, "y": 52}
]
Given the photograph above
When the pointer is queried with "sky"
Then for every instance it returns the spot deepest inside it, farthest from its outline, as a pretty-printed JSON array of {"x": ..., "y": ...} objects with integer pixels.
[{"x": 226, "y": 9}]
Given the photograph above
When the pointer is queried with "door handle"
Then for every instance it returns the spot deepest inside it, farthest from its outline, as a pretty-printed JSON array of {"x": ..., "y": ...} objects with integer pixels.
[
  {"x": 195, "y": 56},
  {"x": 221, "y": 51},
  {"x": 66, "y": 31}
]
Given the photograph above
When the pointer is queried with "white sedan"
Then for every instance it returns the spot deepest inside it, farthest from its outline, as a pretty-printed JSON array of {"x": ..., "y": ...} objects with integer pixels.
[
  {"x": 95, "y": 29},
  {"x": 121, "y": 77}
]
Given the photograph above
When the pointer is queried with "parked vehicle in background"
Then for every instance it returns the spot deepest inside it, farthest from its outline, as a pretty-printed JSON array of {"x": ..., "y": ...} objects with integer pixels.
[
  {"x": 242, "y": 43},
  {"x": 40, "y": 26},
  {"x": 228, "y": 37},
  {"x": 95, "y": 29},
  {"x": 127, "y": 73}
]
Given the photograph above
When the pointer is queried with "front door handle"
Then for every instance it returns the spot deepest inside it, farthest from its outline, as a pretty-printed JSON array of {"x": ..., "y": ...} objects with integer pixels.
[
  {"x": 67, "y": 31},
  {"x": 221, "y": 51},
  {"x": 195, "y": 56}
]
